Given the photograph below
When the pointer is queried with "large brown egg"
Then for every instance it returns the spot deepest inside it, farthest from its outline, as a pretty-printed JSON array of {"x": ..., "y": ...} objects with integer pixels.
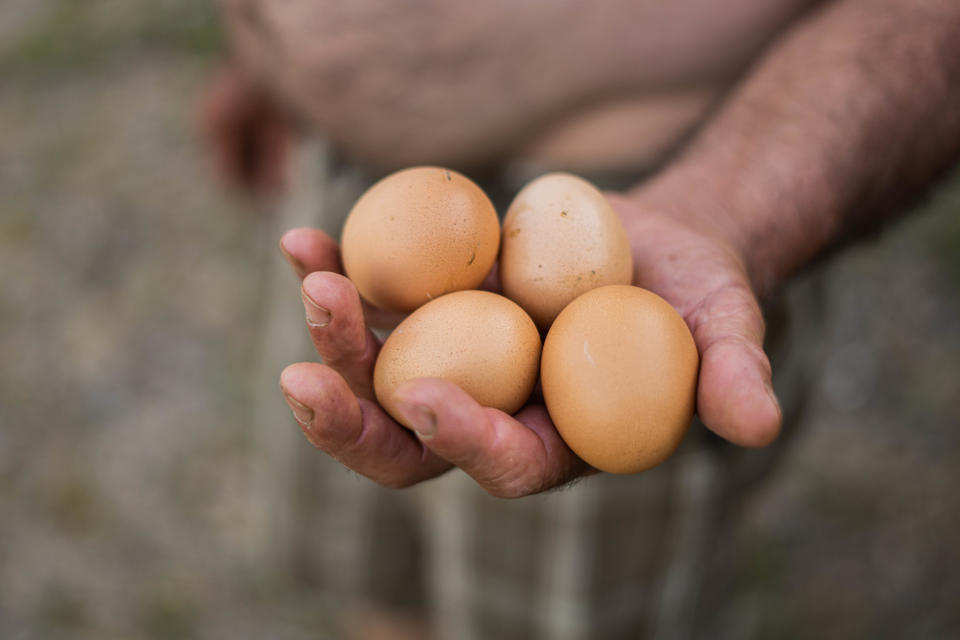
[
  {"x": 418, "y": 234},
  {"x": 561, "y": 238},
  {"x": 480, "y": 341},
  {"x": 619, "y": 376}
]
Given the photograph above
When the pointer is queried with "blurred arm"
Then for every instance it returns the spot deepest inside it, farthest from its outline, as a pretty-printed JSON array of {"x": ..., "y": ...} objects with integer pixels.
[{"x": 846, "y": 119}]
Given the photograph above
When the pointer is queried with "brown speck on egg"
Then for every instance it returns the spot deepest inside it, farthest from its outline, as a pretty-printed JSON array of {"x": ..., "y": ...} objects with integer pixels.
[
  {"x": 587, "y": 248},
  {"x": 393, "y": 265}
]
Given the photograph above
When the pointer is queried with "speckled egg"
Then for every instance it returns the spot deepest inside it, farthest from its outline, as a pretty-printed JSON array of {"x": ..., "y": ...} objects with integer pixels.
[
  {"x": 480, "y": 341},
  {"x": 418, "y": 234},
  {"x": 561, "y": 238}
]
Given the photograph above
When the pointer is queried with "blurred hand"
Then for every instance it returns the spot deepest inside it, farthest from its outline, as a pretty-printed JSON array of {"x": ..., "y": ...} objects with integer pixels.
[
  {"x": 514, "y": 456},
  {"x": 247, "y": 136}
]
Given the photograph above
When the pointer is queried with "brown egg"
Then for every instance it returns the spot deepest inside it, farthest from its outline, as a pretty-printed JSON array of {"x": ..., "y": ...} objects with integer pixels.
[
  {"x": 619, "y": 377},
  {"x": 561, "y": 238},
  {"x": 418, "y": 234},
  {"x": 478, "y": 340}
]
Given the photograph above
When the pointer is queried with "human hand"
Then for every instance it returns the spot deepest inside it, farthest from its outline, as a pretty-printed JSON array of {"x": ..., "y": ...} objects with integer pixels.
[
  {"x": 513, "y": 456},
  {"x": 246, "y": 134},
  {"x": 689, "y": 262},
  {"x": 334, "y": 403}
]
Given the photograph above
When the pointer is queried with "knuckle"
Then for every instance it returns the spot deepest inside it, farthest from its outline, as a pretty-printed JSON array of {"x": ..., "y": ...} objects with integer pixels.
[
  {"x": 505, "y": 468},
  {"x": 731, "y": 311},
  {"x": 346, "y": 350}
]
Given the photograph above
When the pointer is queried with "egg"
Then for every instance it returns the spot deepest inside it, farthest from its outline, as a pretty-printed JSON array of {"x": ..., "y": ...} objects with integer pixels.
[
  {"x": 480, "y": 341},
  {"x": 418, "y": 234},
  {"x": 619, "y": 377},
  {"x": 561, "y": 238}
]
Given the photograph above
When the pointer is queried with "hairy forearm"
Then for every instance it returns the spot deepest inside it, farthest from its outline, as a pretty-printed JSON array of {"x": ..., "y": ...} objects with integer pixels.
[{"x": 846, "y": 119}]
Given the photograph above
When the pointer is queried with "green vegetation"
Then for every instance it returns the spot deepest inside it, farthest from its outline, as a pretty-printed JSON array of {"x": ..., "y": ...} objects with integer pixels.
[{"x": 73, "y": 36}]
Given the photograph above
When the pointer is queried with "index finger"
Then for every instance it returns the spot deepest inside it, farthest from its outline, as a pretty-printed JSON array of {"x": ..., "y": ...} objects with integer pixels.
[{"x": 309, "y": 250}]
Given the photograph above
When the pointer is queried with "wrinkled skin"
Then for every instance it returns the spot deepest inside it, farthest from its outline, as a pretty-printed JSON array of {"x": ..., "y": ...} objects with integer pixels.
[{"x": 513, "y": 456}]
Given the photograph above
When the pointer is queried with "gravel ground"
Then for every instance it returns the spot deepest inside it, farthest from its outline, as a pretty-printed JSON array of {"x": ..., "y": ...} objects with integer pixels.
[{"x": 129, "y": 314}]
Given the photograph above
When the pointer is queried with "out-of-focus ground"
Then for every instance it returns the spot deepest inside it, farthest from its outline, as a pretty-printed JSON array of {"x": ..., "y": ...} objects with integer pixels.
[{"x": 130, "y": 318}]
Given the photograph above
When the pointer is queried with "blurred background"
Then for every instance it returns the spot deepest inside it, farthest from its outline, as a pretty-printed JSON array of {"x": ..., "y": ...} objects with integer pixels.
[{"x": 133, "y": 311}]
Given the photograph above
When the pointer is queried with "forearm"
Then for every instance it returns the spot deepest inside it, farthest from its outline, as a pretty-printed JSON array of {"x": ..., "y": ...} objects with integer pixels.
[{"x": 844, "y": 120}]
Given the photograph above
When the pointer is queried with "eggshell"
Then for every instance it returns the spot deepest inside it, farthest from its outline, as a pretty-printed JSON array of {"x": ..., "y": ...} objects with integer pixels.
[
  {"x": 561, "y": 238},
  {"x": 418, "y": 234},
  {"x": 619, "y": 377},
  {"x": 480, "y": 341}
]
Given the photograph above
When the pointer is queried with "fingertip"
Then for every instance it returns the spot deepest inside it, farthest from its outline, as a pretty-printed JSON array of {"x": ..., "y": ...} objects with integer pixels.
[
  {"x": 294, "y": 379},
  {"x": 419, "y": 418},
  {"x": 763, "y": 426},
  {"x": 291, "y": 239},
  {"x": 317, "y": 386},
  {"x": 735, "y": 398},
  {"x": 299, "y": 268},
  {"x": 308, "y": 250},
  {"x": 294, "y": 386},
  {"x": 324, "y": 285},
  {"x": 437, "y": 409},
  {"x": 413, "y": 397},
  {"x": 331, "y": 300},
  {"x": 771, "y": 430},
  {"x": 509, "y": 457},
  {"x": 290, "y": 386},
  {"x": 441, "y": 395},
  {"x": 327, "y": 395},
  {"x": 356, "y": 432}
]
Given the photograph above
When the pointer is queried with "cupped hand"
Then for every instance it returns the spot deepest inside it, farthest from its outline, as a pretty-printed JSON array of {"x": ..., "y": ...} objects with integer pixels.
[
  {"x": 689, "y": 263},
  {"x": 514, "y": 456},
  {"x": 509, "y": 456}
]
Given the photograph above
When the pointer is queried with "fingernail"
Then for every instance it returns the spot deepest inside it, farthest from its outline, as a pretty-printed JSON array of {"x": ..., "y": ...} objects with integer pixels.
[
  {"x": 317, "y": 316},
  {"x": 420, "y": 418},
  {"x": 301, "y": 412},
  {"x": 298, "y": 267}
]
